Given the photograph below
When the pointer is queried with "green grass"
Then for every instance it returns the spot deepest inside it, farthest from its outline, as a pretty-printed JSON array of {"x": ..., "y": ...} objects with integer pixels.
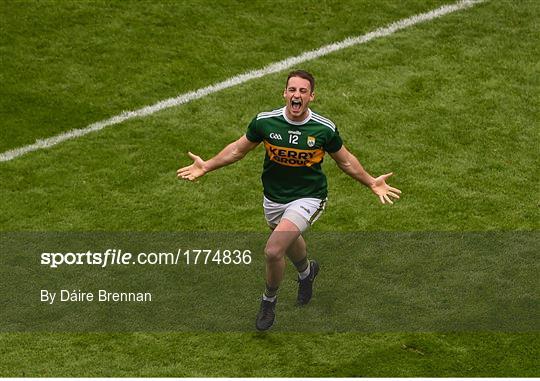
[
  {"x": 270, "y": 355},
  {"x": 450, "y": 106},
  {"x": 69, "y": 64}
]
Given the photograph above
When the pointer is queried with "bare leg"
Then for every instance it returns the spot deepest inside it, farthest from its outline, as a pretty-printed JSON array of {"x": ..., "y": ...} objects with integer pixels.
[
  {"x": 279, "y": 244},
  {"x": 285, "y": 238},
  {"x": 297, "y": 251}
]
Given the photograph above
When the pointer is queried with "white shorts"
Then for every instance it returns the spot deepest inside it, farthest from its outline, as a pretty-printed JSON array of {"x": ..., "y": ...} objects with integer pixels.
[{"x": 302, "y": 212}]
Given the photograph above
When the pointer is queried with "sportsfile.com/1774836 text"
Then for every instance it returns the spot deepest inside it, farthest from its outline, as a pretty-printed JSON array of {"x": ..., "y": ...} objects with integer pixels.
[{"x": 119, "y": 257}]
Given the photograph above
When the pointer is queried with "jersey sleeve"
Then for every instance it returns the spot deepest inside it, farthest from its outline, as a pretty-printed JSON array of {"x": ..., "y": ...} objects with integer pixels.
[
  {"x": 334, "y": 142},
  {"x": 253, "y": 133}
]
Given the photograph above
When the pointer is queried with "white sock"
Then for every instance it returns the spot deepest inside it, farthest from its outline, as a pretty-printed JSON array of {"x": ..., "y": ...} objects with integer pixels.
[
  {"x": 304, "y": 274},
  {"x": 272, "y": 299}
]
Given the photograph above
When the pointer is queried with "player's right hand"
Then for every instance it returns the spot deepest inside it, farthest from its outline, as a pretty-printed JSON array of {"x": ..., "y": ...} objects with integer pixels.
[{"x": 193, "y": 171}]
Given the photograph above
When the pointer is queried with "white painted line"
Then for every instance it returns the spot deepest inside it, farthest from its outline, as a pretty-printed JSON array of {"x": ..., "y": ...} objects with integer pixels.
[{"x": 242, "y": 78}]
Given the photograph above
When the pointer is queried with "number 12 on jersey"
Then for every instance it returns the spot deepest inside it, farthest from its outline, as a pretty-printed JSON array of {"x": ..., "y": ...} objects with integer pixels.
[{"x": 293, "y": 139}]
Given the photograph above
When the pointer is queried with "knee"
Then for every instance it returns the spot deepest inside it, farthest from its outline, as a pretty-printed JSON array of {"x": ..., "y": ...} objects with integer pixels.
[{"x": 273, "y": 253}]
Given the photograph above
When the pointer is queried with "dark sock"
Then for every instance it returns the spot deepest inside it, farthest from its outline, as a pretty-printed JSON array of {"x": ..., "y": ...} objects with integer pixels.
[
  {"x": 302, "y": 264},
  {"x": 270, "y": 292}
]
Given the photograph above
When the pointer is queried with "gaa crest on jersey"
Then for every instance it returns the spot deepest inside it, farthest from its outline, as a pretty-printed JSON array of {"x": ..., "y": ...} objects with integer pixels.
[{"x": 311, "y": 141}]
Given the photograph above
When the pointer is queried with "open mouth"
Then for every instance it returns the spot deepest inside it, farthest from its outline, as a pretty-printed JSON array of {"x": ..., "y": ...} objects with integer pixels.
[{"x": 296, "y": 104}]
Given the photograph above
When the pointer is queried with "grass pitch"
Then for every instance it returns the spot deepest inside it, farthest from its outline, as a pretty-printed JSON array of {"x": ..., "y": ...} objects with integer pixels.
[{"x": 451, "y": 106}]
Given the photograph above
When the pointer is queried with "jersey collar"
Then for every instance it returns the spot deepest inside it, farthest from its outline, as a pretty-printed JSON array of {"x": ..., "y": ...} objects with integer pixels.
[{"x": 292, "y": 121}]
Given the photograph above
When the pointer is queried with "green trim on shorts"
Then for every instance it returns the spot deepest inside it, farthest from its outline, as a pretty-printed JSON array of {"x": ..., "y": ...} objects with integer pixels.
[{"x": 317, "y": 212}]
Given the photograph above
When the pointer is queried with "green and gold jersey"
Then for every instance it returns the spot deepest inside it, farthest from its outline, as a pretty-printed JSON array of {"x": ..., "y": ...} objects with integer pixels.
[{"x": 294, "y": 153}]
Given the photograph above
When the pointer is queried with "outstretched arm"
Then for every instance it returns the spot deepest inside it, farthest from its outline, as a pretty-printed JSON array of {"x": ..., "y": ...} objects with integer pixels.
[
  {"x": 349, "y": 164},
  {"x": 230, "y": 154}
]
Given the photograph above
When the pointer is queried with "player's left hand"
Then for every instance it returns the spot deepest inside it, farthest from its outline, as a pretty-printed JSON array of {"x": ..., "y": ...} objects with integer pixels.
[{"x": 383, "y": 190}]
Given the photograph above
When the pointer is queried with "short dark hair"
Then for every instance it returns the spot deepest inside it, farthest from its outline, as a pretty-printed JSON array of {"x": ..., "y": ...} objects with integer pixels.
[{"x": 302, "y": 74}]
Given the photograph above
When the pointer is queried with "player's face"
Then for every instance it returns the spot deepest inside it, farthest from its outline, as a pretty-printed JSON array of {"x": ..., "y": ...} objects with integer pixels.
[{"x": 297, "y": 95}]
